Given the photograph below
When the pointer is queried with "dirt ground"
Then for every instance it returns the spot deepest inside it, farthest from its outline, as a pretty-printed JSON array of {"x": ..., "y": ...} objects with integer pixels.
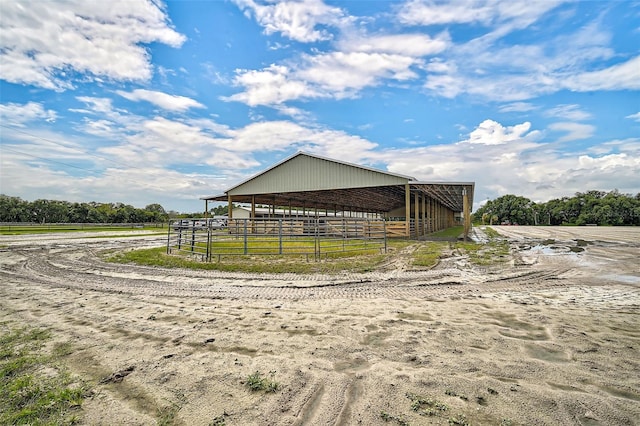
[{"x": 550, "y": 338}]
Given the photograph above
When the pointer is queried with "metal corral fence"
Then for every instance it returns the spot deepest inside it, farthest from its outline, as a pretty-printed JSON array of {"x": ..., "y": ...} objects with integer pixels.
[{"x": 315, "y": 237}]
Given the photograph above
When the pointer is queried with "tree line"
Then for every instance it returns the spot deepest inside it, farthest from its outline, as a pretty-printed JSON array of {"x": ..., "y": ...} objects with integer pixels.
[
  {"x": 591, "y": 207},
  {"x": 588, "y": 208},
  {"x": 15, "y": 209}
]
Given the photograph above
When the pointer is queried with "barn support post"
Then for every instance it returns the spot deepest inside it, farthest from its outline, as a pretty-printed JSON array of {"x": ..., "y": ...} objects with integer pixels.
[
  {"x": 447, "y": 217},
  {"x": 429, "y": 215},
  {"x": 466, "y": 216},
  {"x": 274, "y": 207},
  {"x": 407, "y": 209},
  {"x": 424, "y": 214},
  {"x": 416, "y": 214},
  {"x": 434, "y": 217},
  {"x": 443, "y": 216},
  {"x": 253, "y": 214},
  {"x": 230, "y": 207}
]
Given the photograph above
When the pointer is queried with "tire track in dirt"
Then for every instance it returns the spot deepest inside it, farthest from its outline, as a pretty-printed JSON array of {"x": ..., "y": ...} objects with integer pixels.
[
  {"x": 280, "y": 322},
  {"x": 63, "y": 268}
]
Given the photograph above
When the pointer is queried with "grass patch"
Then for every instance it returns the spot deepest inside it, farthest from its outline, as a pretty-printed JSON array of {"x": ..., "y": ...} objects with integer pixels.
[
  {"x": 429, "y": 254},
  {"x": 387, "y": 417},
  {"x": 226, "y": 245},
  {"x": 166, "y": 415},
  {"x": 494, "y": 252},
  {"x": 447, "y": 234},
  {"x": 257, "y": 264},
  {"x": 491, "y": 233},
  {"x": 426, "y": 406},
  {"x": 55, "y": 228},
  {"x": 34, "y": 389},
  {"x": 257, "y": 382}
]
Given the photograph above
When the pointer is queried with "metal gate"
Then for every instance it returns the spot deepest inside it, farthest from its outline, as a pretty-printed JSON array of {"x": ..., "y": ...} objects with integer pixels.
[{"x": 315, "y": 237}]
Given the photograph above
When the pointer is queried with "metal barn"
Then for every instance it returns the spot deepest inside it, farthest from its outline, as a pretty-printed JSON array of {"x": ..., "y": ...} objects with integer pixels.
[{"x": 311, "y": 185}]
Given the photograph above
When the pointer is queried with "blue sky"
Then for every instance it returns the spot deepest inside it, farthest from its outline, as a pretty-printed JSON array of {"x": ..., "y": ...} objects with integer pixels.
[{"x": 147, "y": 102}]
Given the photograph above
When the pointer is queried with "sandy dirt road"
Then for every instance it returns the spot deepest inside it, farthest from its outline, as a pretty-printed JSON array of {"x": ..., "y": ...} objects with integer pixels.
[{"x": 551, "y": 337}]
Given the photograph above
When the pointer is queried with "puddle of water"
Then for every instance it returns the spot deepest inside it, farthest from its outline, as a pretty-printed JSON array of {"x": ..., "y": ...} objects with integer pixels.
[
  {"x": 552, "y": 250},
  {"x": 629, "y": 279}
]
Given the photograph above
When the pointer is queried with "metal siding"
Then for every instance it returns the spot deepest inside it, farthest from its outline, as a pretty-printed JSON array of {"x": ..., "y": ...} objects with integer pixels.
[{"x": 304, "y": 173}]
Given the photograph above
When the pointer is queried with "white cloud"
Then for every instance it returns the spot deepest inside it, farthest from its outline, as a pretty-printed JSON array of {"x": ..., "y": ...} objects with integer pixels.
[
  {"x": 489, "y": 68},
  {"x": 340, "y": 73},
  {"x": 165, "y": 142},
  {"x": 490, "y": 132},
  {"x": 272, "y": 85},
  {"x": 142, "y": 165},
  {"x": 517, "y": 107},
  {"x": 42, "y": 41},
  {"x": 284, "y": 135},
  {"x": 414, "y": 45},
  {"x": 19, "y": 114},
  {"x": 95, "y": 105},
  {"x": 297, "y": 20},
  {"x": 483, "y": 67},
  {"x": 512, "y": 163},
  {"x": 332, "y": 75},
  {"x": 634, "y": 117},
  {"x": 437, "y": 65},
  {"x": 163, "y": 100},
  {"x": 100, "y": 128},
  {"x": 138, "y": 186},
  {"x": 111, "y": 123},
  {"x": 485, "y": 12},
  {"x": 569, "y": 112},
  {"x": 359, "y": 61},
  {"x": 418, "y": 12},
  {"x": 624, "y": 76},
  {"x": 575, "y": 131}
]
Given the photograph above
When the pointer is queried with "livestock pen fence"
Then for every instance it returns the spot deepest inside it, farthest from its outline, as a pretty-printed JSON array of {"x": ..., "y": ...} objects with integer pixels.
[{"x": 313, "y": 237}]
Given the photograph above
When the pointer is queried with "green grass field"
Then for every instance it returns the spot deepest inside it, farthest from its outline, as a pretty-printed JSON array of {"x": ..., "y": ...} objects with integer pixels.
[
  {"x": 57, "y": 228},
  {"x": 252, "y": 263},
  {"x": 35, "y": 388},
  {"x": 264, "y": 255}
]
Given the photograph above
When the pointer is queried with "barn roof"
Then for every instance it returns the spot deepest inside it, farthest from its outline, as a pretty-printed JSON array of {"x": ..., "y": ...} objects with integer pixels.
[{"x": 313, "y": 181}]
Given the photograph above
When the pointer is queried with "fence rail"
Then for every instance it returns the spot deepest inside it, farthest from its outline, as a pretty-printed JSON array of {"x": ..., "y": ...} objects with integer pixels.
[{"x": 310, "y": 237}]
